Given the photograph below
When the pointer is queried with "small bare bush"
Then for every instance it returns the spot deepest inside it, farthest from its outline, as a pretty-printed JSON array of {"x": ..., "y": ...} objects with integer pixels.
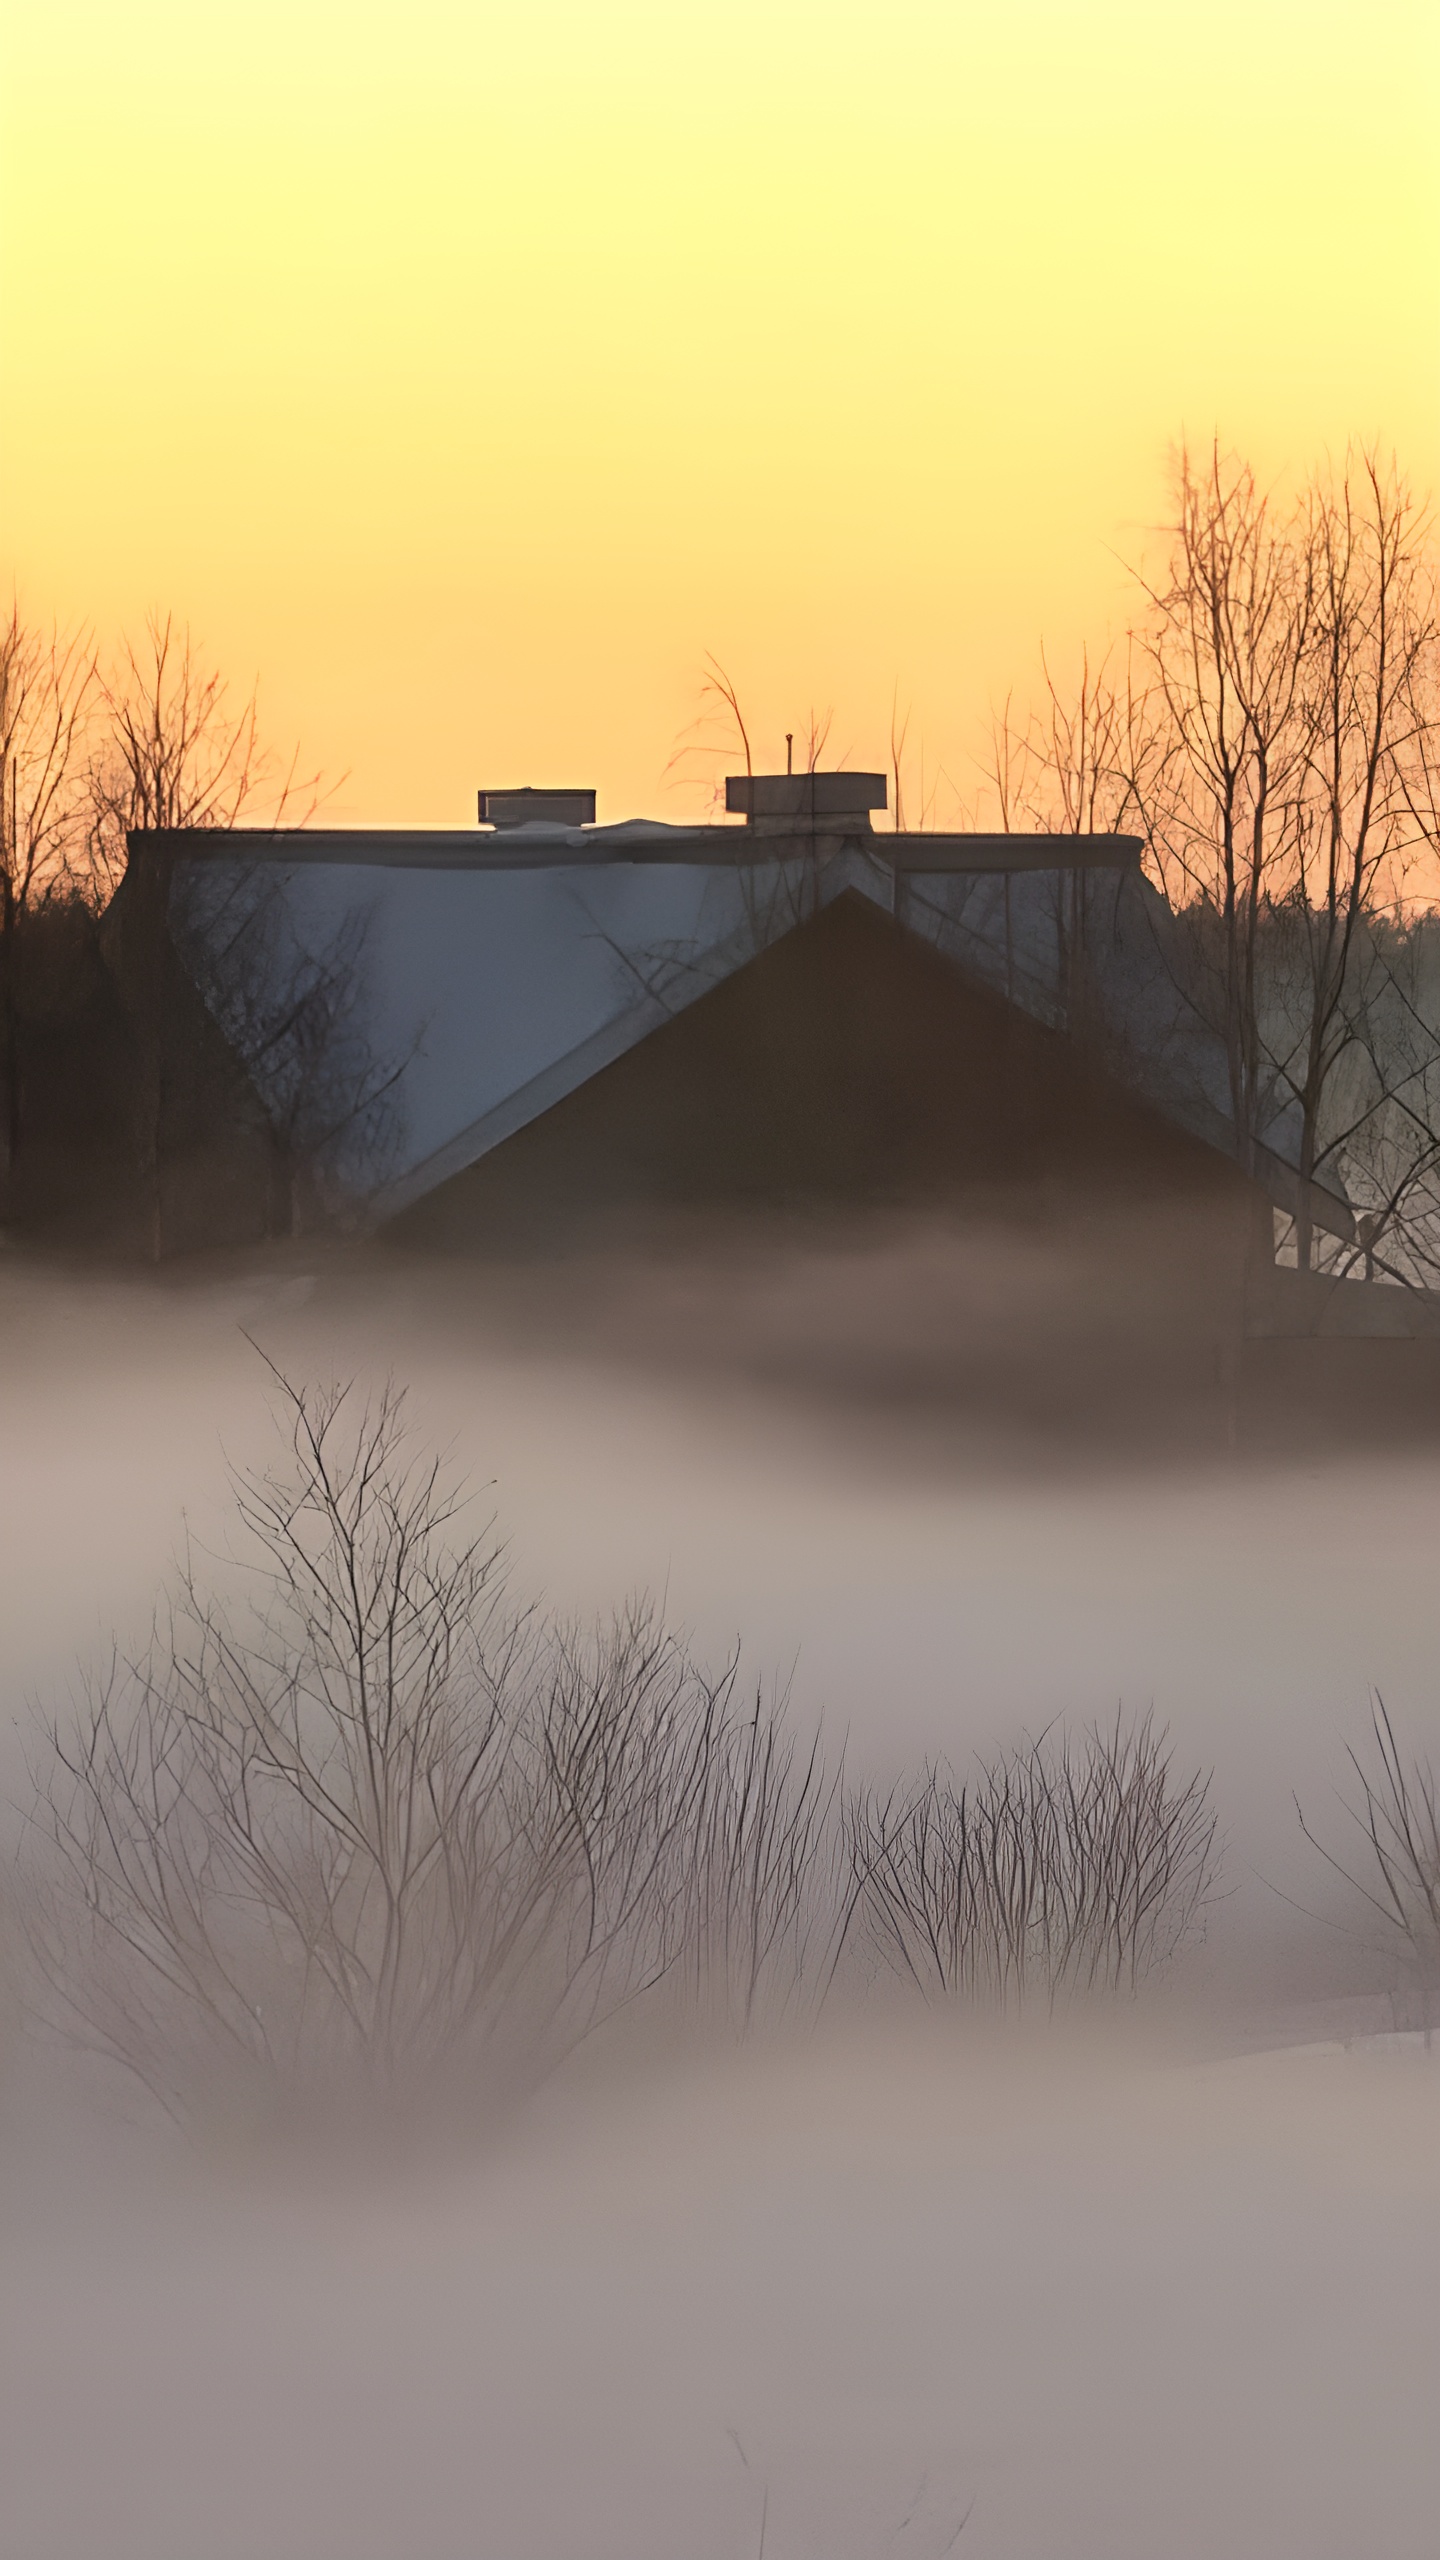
[
  {"x": 1060, "y": 1868},
  {"x": 1394, "y": 1805}
]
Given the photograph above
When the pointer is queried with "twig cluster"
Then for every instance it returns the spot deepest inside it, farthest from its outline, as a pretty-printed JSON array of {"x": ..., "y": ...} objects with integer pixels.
[{"x": 1063, "y": 1866}]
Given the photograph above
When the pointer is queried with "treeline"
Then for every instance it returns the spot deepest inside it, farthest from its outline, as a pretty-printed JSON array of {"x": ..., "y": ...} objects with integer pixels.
[{"x": 1270, "y": 724}]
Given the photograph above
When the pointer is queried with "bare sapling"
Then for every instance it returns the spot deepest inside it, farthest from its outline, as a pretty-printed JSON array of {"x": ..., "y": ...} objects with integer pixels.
[
  {"x": 1394, "y": 1806},
  {"x": 1061, "y": 1868}
]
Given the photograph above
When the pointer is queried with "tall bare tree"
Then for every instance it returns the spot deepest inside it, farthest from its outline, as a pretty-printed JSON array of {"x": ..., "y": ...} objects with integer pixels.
[
  {"x": 175, "y": 755},
  {"x": 1222, "y": 651},
  {"x": 1075, "y": 763},
  {"x": 1365, "y": 722},
  {"x": 292, "y": 1007},
  {"x": 1291, "y": 657},
  {"x": 47, "y": 694}
]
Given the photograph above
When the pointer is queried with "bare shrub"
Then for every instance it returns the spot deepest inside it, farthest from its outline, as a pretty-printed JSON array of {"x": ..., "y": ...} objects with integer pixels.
[
  {"x": 373, "y": 1821},
  {"x": 1060, "y": 1868},
  {"x": 769, "y": 1904},
  {"x": 1395, "y": 1807},
  {"x": 705, "y": 1839},
  {"x": 367, "y": 1823}
]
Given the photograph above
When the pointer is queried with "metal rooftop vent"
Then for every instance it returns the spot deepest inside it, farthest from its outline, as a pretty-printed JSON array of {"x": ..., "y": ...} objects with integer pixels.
[
  {"x": 529, "y": 808},
  {"x": 830, "y": 803}
]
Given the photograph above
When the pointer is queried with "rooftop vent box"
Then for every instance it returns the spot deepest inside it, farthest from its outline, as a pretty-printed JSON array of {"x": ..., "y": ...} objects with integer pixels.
[
  {"x": 832, "y": 801},
  {"x": 529, "y": 808}
]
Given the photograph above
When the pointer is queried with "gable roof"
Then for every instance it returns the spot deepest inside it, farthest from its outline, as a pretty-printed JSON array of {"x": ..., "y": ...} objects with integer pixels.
[{"x": 848, "y": 1065}]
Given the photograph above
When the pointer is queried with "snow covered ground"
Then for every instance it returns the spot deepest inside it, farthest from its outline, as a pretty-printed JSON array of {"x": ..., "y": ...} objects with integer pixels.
[{"x": 887, "y": 2296}]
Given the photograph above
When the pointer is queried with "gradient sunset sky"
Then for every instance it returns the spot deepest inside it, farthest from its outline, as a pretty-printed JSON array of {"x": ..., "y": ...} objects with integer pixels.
[{"x": 468, "y": 372}]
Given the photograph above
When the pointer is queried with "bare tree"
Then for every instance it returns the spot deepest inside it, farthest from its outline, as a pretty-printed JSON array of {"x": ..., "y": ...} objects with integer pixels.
[
  {"x": 1073, "y": 764},
  {"x": 1365, "y": 720},
  {"x": 293, "y": 1007},
  {"x": 1223, "y": 649},
  {"x": 1381, "y": 1128},
  {"x": 1063, "y": 1867},
  {"x": 1076, "y": 764},
  {"x": 175, "y": 756},
  {"x": 718, "y": 733},
  {"x": 47, "y": 691},
  {"x": 1292, "y": 656},
  {"x": 175, "y": 753}
]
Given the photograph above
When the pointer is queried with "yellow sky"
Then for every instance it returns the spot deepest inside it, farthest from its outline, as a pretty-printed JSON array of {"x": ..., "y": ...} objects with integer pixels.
[{"x": 467, "y": 372}]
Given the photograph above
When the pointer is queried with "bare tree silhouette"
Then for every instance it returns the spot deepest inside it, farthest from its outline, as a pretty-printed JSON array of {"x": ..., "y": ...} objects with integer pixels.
[
  {"x": 174, "y": 756},
  {"x": 47, "y": 696},
  {"x": 294, "y": 1009}
]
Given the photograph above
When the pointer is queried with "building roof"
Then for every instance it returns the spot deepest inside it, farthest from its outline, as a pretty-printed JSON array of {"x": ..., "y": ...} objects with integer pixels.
[{"x": 495, "y": 971}]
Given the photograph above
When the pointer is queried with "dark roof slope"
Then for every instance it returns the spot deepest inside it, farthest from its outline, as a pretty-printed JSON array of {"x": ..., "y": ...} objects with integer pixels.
[{"x": 847, "y": 1063}]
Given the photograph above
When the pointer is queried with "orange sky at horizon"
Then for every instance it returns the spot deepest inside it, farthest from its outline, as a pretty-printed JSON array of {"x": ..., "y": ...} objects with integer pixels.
[{"x": 468, "y": 374}]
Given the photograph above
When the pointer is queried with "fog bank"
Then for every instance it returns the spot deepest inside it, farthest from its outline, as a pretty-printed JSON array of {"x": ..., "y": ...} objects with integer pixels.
[{"x": 929, "y": 1584}]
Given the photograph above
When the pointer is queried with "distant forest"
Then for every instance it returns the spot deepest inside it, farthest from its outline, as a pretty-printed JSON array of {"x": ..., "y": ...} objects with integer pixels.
[{"x": 1269, "y": 724}]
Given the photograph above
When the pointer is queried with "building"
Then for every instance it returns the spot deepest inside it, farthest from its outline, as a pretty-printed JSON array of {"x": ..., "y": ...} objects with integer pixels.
[
  {"x": 788, "y": 1005},
  {"x": 541, "y": 1033}
]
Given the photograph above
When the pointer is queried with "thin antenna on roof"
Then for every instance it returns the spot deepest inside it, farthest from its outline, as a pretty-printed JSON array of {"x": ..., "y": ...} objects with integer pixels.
[{"x": 789, "y": 750}]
